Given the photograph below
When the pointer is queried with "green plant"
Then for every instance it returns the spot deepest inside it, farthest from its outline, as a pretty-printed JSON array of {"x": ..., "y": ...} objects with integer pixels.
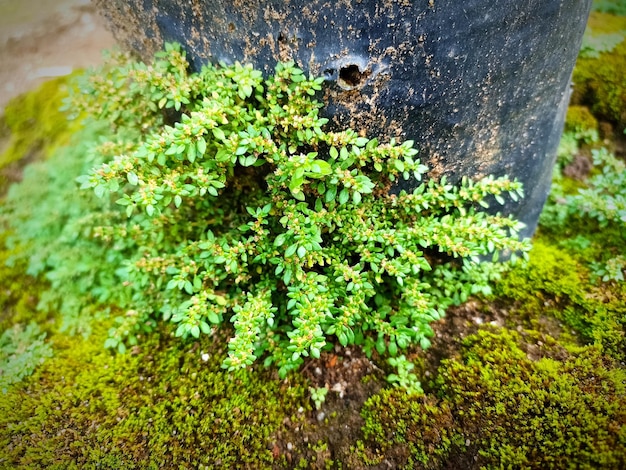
[
  {"x": 242, "y": 209},
  {"x": 611, "y": 270},
  {"x": 596, "y": 205},
  {"x": 22, "y": 348},
  {"x": 52, "y": 235},
  {"x": 594, "y": 45},
  {"x": 404, "y": 378},
  {"x": 615, "y": 7},
  {"x": 318, "y": 395},
  {"x": 604, "y": 198}
]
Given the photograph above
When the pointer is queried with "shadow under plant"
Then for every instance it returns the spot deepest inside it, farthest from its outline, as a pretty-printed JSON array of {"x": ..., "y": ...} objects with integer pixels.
[{"x": 529, "y": 375}]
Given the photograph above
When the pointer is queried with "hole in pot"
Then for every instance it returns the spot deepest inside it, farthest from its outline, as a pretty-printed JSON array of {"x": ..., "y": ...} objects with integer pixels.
[
  {"x": 350, "y": 76},
  {"x": 231, "y": 27},
  {"x": 329, "y": 73}
]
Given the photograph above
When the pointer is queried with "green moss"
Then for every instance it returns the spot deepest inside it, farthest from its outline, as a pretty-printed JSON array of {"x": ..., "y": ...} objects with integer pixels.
[
  {"x": 161, "y": 406},
  {"x": 600, "y": 82},
  {"x": 581, "y": 123},
  {"x": 35, "y": 124},
  {"x": 509, "y": 400},
  {"x": 19, "y": 292},
  {"x": 36, "y": 121},
  {"x": 547, "y": 413},
  {"x": 556, "y": 284},
  {"x": 407, "y": 430}
]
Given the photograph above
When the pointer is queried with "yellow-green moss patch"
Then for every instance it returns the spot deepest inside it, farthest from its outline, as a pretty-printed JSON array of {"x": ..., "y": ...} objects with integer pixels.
[
  {"x": 164, "y": 405},
  {"x": 601, "y": 81},
  {"x": 556, "y": 284},
  {"x": 509, "y": 400}
]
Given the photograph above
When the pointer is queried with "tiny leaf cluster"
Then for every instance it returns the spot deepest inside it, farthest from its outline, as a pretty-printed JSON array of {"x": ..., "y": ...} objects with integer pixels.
[{"x": 241, "y": 208}]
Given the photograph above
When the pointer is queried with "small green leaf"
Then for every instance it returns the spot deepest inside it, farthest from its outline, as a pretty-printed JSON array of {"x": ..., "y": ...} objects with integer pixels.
[
  {"x": 201, "y": 145},
  {"x": 344, "y": 195},
  {"x": 291, "y": 250},
  {"x": 280, "y": 239},
  {"x": 331, "y": 192},
  {"x": 191, "y": 153},
  {"x": 204, "y": 326},
  {"x": 218, "y": 133}
]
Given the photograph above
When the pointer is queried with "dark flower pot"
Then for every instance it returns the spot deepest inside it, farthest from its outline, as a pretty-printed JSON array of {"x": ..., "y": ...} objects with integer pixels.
[{"x": 481, "y": 86}]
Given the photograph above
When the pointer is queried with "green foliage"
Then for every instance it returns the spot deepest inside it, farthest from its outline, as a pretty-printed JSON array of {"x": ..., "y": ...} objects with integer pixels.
[
  {"x": 52, "y": 233},
  {"x": 600, "y": 79},
  {"x": 166, "y": 405},
  {"x": 35, "y": 122},
  {"x": 568, "y": 148},
  {"x": 604, "y": 198},
  {"x": 554, "y": 283},
  {"x": 582, "y": 124},
  {"x": 593, "y": 45},
  {"x": 21, "y": 350},
  {"x": 137, "y": 91},
  {"x": 242, "y": 209},
  {"x": 597, "y": 210},
  {"x": 404, "y": 378},
  {"x": 614, "y": 7},
  {"x": 318, "y": 395},
  {"x": 500, "y": 408}
]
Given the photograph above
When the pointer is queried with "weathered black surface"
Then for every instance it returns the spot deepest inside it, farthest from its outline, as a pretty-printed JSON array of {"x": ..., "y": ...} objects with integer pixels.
[{"x": 480, "y": 85}]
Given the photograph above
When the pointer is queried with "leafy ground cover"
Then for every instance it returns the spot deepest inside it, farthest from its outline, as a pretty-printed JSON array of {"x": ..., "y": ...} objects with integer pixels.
[{"x": 530, "y": 375}]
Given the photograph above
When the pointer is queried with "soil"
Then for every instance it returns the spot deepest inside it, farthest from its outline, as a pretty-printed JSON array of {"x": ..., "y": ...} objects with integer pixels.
[{"x": 40, "y": 40}]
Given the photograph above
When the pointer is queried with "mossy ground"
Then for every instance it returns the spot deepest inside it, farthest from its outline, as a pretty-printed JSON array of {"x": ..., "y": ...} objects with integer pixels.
[
  {"x": 600, "y": 82},
  {"x": 166, "y": 404},
  {"x": 33, "y": 125},
  {"x": 532, "y": 377}
]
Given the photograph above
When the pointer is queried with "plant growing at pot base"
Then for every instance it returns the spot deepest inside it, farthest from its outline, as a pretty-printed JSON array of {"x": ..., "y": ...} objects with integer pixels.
[{"x": 235, "y": 205}]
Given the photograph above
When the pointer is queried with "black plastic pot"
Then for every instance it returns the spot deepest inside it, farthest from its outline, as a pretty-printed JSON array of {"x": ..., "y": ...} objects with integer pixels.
[{"x": 480, "y": 85}]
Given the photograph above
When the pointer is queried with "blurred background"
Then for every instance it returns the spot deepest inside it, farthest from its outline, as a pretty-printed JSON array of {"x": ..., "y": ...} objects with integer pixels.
[{"x": 42, "y": 39}]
